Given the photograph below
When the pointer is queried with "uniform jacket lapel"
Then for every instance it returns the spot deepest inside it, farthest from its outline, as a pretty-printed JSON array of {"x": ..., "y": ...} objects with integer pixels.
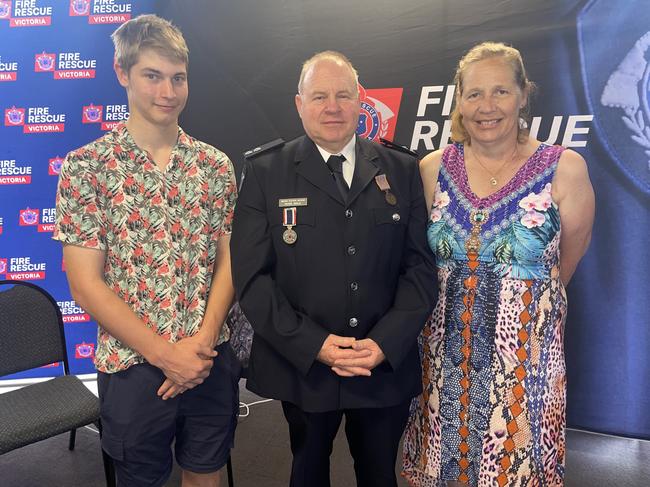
[
  {"x": 310, "y": 165},
  {"x": 366, "y": 167}
]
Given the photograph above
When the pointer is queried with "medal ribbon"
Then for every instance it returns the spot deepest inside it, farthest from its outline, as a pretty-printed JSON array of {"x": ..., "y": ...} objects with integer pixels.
[
  {"x": 382, "y": 182},
  {"x": 289, "y": 216}
]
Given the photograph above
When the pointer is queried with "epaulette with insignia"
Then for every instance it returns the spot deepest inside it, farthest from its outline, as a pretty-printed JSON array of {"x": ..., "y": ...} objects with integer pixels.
[
  {"x": 401, "y": 148},
  {"x": 263, "y": 148}
]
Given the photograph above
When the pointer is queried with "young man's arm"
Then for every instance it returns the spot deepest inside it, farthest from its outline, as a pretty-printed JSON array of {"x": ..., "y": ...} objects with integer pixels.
[
  {"x": 221, "y": 292},
  {"x": 220, "y": 299},
  {"x": 186, "y": 363}
]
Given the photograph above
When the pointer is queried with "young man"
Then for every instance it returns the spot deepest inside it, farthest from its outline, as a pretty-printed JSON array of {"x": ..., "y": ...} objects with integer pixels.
[
  {"x": 144, "y": 214},
  {"x": 332, "y": 269}
]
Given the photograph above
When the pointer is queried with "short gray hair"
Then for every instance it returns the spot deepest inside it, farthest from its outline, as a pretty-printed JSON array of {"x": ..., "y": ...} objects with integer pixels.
[{"x": 334, "y": 56}]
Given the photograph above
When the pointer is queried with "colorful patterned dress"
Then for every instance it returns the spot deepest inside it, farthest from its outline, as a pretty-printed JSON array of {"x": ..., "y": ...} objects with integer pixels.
[{"x": 493, "y": 408}]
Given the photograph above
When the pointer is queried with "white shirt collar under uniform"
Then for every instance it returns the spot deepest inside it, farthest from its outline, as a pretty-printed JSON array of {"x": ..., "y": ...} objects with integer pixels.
[{"x": 348, "y": 153}]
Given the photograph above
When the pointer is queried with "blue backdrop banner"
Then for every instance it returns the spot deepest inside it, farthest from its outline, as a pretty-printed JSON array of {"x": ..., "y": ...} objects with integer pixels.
[{"x": 57, "y": 92}]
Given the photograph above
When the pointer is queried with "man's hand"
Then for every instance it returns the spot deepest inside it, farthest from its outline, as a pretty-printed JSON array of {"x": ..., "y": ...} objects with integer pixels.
[
  {"x": 197, "y": 366},
  {"x": 188, "y": 362},
  {"x": 170, "y": 389},
  {"x": 337, "y": 348},
  {"x": 368, "y": 356}
]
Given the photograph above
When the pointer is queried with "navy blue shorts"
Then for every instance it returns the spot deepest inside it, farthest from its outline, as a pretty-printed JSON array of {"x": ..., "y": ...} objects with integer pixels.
[{"x": 139, "y": 427}]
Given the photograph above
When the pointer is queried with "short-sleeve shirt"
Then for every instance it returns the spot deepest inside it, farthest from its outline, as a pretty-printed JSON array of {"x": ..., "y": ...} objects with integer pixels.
[{"x": 158, "y": 228}]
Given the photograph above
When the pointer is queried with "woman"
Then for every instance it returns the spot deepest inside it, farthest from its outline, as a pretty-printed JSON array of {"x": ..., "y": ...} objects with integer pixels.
[{"x": 510, "y": 219}]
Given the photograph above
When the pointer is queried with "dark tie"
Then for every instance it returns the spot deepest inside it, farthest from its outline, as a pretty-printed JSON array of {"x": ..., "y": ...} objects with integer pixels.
[{"x": 335, "y": 164}]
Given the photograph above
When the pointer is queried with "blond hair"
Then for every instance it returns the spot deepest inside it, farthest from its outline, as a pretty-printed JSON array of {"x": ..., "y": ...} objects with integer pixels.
[
  {"x": 334, "y": 56},
  {"x": 148, "y": 32},
  {"x": 512, "y": 57}
]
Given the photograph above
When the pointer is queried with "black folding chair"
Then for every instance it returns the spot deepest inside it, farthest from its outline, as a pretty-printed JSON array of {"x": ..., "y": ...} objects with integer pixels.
[{"x": 32, "y": 335}]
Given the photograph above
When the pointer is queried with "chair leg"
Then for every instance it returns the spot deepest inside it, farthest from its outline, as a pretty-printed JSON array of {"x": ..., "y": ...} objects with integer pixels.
[
  {"x": 231, "y": 482},
  {"x": 73, "y": 437}
]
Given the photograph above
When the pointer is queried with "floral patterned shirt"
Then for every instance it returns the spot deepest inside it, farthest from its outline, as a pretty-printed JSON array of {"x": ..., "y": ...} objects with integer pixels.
[{"x": 159, "y": 230}]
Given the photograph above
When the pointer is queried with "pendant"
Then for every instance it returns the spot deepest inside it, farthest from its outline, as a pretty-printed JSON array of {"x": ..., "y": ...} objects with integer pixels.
[
  {"x": 477, "y": 218},
  {"x": 493, "y": 181}
]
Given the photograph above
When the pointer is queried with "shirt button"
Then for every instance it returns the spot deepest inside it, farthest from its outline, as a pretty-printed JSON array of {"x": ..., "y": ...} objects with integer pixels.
[
  {"x": 396, "y": 217},
  {"x": 354, "y": 286},
  {"x": 348, "y": 213},
  {"x": 352, "y": 250},
  {"x": 353, "y": 322}
]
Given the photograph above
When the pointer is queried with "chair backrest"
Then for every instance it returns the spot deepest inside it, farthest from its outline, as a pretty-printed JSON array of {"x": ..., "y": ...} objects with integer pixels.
[{"x": 31, "y": 328}]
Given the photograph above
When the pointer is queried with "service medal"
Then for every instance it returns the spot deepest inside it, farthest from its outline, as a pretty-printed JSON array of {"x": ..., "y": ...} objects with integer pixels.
[
  {"x": 384, "y": 185},
  {"x": 289, "y": 220},
  {"x": 289, "y": 236}
]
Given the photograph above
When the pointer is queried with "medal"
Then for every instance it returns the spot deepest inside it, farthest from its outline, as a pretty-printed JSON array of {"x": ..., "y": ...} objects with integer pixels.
[
  {"x": 289, "y": 219},
  {"x": 384, "y": 185},
  {"x": 290, "y": 236}
]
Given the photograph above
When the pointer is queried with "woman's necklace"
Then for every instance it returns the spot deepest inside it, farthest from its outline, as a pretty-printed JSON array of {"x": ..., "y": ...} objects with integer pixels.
[{"x": 493, "y": 180}]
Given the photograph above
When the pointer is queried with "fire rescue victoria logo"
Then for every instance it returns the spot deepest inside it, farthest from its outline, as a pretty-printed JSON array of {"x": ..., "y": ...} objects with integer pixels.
[
  {"x": 108, "y": 116},
  {"x": 101, "y": 11},
  {"x": 616, "y": 83},
  {"x": 25, "y": 13},
  {"x": 92, "y": 113},
  {"x": 379, "y": 110},
  {"x": 5, "y": 9},
  {"x": 84, "y": 350},
  {"x": 72, "y": 312},
  {"x": 35, "y": 120},
  {"x": 43, "y": 219},
  {"x": 12, "y": 172},
  {"x": 14, "y": 116},
  {"x": 65, "y": 65},
  {"x": 8, "y": 70},
  {"x": 54, "y": 166},
  {"x": 627, "y": 91},
  {"x": 22, "y": 269}
]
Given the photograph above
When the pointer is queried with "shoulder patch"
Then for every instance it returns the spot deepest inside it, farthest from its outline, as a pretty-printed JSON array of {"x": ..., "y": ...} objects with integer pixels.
[
  {"x": 263, "y": 148},
  {"x": 401, "y": 148}
]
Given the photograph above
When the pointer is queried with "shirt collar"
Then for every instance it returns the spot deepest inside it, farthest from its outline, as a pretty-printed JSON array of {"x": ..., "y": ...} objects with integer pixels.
[
  {"x": 125, "y": 139},
  {"x": 347, "y": 151},
  {"x": 184, "y": 140}
]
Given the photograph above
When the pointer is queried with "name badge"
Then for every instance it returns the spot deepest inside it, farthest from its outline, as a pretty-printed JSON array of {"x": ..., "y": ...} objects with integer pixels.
[{"x": 288, "y": 202}]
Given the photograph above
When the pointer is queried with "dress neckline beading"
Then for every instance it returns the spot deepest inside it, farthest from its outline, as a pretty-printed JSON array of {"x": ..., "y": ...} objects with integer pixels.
[{"x": 512, "y": 185}]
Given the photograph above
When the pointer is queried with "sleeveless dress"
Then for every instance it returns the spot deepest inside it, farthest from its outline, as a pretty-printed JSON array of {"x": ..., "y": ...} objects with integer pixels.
[{"x": 492, "y": 411}]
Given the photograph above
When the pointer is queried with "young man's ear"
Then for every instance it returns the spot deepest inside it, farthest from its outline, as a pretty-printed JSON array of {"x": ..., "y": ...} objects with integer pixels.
[{"x": 122, "y": 76}]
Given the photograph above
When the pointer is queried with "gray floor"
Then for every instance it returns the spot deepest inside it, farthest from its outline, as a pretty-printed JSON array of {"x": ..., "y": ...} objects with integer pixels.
[{"x": 261, "y": 458}]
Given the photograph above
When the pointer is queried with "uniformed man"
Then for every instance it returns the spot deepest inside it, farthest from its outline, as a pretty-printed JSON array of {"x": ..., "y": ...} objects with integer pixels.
[{"x": 331, "y": 267}]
